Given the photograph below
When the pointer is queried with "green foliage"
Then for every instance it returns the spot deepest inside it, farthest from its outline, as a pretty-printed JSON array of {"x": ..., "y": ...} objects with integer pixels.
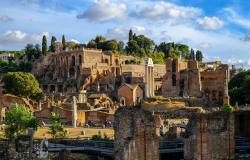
[
  {"x": 111, "y": 45},
  {"x": 139, "y": 45},
  {"x": 63, "y": 42},
  {"x": 18, "y": 119},
  {"x": 227, "y": 108},
  {"x": 33, "y": 52},
  {"x": 44, "y": 45},
  {"x": 99, "y": 137},
  {"x": 22, "y": 84},
  {"x": 92, "y": 44},
  {"x": 239, "y": 88},
  {"x": 16, "y": 53},
  {"x": 158, "y": 57},
  {"x": 172, "y": 50},
  {"x": 199, "y": 56},
  {"x": 53, "y": 44},
  {"x": 56, "y": 129},
  {"x": 192, "y": 54},
  {"x": 71, "y": 44}
]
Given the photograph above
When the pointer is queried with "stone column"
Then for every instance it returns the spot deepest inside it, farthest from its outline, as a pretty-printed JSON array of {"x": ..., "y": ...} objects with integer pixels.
[
  {"x": 149, "y": 78},
  {"x": 74, "y": 112}
]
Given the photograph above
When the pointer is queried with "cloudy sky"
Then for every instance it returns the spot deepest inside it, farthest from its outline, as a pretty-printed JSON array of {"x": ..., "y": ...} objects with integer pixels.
[{"x": 220, "y": 28}]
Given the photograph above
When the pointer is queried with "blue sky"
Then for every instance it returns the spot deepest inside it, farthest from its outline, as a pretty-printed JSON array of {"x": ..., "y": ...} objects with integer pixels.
[{"x": 220, "y": 28}]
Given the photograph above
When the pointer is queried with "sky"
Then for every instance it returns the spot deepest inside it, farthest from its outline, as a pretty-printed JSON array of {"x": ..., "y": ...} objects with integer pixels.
[{"x": 219, "y": 28}]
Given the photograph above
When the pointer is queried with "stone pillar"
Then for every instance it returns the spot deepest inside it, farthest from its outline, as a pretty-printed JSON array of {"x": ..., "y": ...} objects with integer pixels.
[
  {"x": 74, "y": 112},
  {"x": 82, "y": 96},
  {"x": 226, "y": 99},
  {"x": 149, "y": 78}
]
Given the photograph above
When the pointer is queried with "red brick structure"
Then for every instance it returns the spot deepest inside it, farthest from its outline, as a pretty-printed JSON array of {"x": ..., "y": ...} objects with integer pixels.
[
  {"x": 210, "y": 137},
  {"x": 135, "y": 135}
]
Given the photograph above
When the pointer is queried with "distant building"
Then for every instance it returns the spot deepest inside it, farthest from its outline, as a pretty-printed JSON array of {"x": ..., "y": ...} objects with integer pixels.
[
  {"x": 130, "y": 95},
  {"x": 185, "y": 78},
  {"x": 6, "y": 56}
]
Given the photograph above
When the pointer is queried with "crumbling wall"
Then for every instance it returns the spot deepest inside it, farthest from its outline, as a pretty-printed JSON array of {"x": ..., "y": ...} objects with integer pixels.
[
  {"x": 135, "y": 135},
  {"x": 210, "y": 137}
]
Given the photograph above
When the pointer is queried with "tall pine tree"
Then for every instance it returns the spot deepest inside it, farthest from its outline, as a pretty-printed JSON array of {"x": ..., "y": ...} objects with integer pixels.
[
  {"x": 63, "y": 42},
  {"x": 130, "y": 35},
  {"x": 192, "y": 54},
  {"x": 199, "y": 56},
  {"x": 53, "y": 44},
  {"x": 44, "y": 45}
]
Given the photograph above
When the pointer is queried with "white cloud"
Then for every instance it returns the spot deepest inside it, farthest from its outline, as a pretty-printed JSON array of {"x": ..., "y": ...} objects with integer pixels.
[
  {"x": 204, "y": 45},
  {"x": 212, "y": 23},
  {"x": 104, "y": 10},
  {"x": 121, "y": 33},
  {"x": 5, "y": 18},
  {"x": 234, "y": 17},
  {"x": 165, "y": 10},
  {"x": 12, "y": 37},
  {"x": 75, "y": 41}
]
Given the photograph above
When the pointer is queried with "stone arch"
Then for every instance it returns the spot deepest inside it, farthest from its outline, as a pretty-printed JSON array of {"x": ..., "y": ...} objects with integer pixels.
[
  {"x": 122, "y": 101},
  {"x": 80, "y": 59},
  {"x": 52, "y": 88},
  {"x": 72, "y": 72},
  {"x": 106, "y": 61},
  {"x": 73, "y": 61},
  {"x": 173, "y": 80},
  {"x": 174, "y": 66},
  {"x": 116, "y": 61}
]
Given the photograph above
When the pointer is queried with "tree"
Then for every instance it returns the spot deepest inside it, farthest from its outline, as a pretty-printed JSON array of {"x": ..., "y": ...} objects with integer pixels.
[
  {"x": 22, "y": 84},
  {"x": 37, "y": 51},
  {"x": 92, "y": 44},
  {"x": 130, "y": 35},
  {"x": 53, "y": 44},
  {"x": 56, "y": 129},
  {"x": 239, "y": 88},
  {"x": 100, "y": 40},
  {"x": 44, "y": 45},
  {"x": 111, "y": 45},
  {"x": 192, "y": 55},
  {"x": 199, "y": 56},
  {"x": 30, "y": 51},
  {"x": 63, "y": 42},
  {"x": 18, "y": 119}
]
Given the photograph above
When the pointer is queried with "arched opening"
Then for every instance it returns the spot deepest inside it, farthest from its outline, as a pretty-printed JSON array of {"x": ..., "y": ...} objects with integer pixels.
[
  {"x": 73, "y": 61},
  {"x": 174, "y": 66},
  {"x": 106, "y": 61},
  {"x": 122, "y": 101},
  {"x": 80, "y": 59},
  {"x": 173, "y": 80},
  {"x": 117, "y": 62},
  {"x": 52, "y": 88},
  {"x": 72, "y": 72}
]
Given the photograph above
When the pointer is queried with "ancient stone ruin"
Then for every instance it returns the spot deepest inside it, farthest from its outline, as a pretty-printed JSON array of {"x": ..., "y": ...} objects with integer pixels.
[
  {"x": 135, "y": 135},
  {"x": 210, "y": 137}
]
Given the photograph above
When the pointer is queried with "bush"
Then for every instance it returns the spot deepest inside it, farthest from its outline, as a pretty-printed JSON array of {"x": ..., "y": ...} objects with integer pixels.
[{"x": 227, "y": 108}]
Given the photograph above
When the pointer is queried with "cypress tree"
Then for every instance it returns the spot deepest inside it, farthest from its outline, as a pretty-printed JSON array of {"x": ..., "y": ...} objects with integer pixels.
[
  {"x": 199, "y": 56},
  {"x": 130, "y": 36},
  {"x": 53, "y": 44},
  {"x": 44, "y": 45},
  {"x": 192, "y": 54},
  {"x": 63, "y": 42}
]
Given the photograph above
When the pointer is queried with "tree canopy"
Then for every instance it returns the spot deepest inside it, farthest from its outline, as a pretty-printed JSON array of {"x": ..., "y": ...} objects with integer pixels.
[
  {"x": 22, "y": 84},
  {"x": 18, "y": 119}
]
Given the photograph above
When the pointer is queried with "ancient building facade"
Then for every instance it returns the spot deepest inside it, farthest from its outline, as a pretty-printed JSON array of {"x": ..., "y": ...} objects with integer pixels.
[
  {"x": 194, "y": 79},
  {"x": 72, "y": 71},
  {"x": 135, "y": 135},
  {"x": 210, "y": 137}
]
